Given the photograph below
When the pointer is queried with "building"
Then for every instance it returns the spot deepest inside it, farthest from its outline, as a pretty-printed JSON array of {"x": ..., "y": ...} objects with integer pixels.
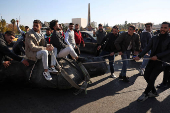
[
  {"x": 156, "y": 27},
  {"x": 138, "y": 25},
  {"x": 66, "y": 24},
  {"x": 81, "y": 21}
]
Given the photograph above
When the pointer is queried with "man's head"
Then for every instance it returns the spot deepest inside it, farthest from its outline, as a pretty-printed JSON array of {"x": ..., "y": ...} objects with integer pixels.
[
  {"x": 54, "y": 25},
  {"x": 61, "y": 26},
  {"x": 115, "y": 30},
  {"x": 26, "y": 28},
  {"x": 100, "y": 27},
  {"x": 77, "y": 26},
  {"x": 131, "y": 30},
  {"x": 9, "y": 36},
  {"x": 165, "y": 28},
  {"x": 148, "y": 27},
  {"x": 37, "y": 25},
  {"x": 71, "y": 26},
  {"x": 48, "y": 31}
]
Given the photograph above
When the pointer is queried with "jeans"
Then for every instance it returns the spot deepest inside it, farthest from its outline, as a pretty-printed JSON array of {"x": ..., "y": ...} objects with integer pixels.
[
  {"x": 111, "y": 58},
  {"x": 126, "y": 55},
  {"x": 145, "y": 61}
]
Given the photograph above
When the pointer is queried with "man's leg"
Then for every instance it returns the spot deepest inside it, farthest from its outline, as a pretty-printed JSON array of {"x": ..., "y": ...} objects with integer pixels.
[
  {"x": 111, "y": 63},
  {"x": 67, "y": 51},
  {"x": 144, "y": 63}
]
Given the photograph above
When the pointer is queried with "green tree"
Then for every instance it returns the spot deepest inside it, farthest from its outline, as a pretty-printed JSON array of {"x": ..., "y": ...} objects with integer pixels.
[
  {"x": 3, "y": 27},
  {"x": 13, "y": 23}
]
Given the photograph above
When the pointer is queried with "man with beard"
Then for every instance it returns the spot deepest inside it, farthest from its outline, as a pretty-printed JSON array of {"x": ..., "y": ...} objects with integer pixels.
[
  {"x": 108, "y": 47},
  {"x": 36, "y": 48},
  {"x": 58, "y": 42},
  {"x": 61, "y": 31},
  {"x": 160, "y": 49},
  {"x": 100, "y": 34}
]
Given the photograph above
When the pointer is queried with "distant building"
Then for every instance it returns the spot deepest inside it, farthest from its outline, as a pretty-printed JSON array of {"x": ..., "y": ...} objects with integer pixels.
[
  {"x": 94, "y": 24},
  {"x": 156, "y": 27},
  {"x": 66, "y": 24},
  {"x": 139, "y": 25},
  {"x": 81, "y": 21}
]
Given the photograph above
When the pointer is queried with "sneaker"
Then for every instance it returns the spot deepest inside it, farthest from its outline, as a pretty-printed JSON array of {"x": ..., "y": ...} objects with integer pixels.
[
  {"x": 143, "y": 97},
  {"x": 150, "y": 94},
  {"x": 58, "y": 68},
  {"x": 125, "y": 79},
  {"x": 162, "y": 85},
  {"x": 47, "y": 75},
  {"x": 141, "y": 71},
  {"x": 52, "y": 70},
  {"x": 113, "y": 75}
]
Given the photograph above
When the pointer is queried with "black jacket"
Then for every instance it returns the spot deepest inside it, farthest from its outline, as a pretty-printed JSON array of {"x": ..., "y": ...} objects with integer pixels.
[
  {"x": 123, "y": 41},
  {"x": 107, "y": 43},
  {"x": 58, "y": 41},
  {"x": 145, "y": 37},
  {"x": 5, "y": 52},
  {"x": 153, "y": 43},
  {"x": 19, "y": 48}
]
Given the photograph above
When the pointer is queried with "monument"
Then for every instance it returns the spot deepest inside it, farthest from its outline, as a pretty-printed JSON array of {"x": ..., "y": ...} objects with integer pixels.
[{"x": 89, "y": 27}]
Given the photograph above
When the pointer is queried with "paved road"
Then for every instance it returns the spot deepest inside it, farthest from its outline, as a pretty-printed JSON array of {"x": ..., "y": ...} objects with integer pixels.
[{"x": 105, "y": 95}]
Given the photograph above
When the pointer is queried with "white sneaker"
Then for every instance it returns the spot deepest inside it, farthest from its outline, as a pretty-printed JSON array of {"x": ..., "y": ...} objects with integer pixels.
[
  {"x": 47, "y": 75},
  {"x": 52, "y": 70},
  {"x": 141, "y": 71},
  {"x": 113, "y": 75},
  {"x": 143, "y": 97}
]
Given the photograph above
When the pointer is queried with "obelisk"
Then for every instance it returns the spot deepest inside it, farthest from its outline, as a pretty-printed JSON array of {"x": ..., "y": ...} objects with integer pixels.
[{"x": 89, "y": 18}]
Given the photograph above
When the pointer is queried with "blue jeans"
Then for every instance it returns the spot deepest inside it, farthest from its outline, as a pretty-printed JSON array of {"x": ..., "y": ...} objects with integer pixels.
[
  {"x": 111, "y": 58},
  {"x": 145, "y": 61},
  {"x": 126, "y": 55}
]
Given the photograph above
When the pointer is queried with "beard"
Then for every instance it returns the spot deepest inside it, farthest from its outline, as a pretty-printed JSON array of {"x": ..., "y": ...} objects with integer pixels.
[
  {"x": 163, "y": 32},
  {"x": 100, "y": 29}
]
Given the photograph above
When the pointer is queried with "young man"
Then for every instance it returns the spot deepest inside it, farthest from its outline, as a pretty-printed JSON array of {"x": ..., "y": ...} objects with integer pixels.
[
  {"x": 48, "y": 35},
  {"x": 145, "y": 38},
  {"x": 108, "y": 47},
  {"x": 58, "y": 42},
  {"x": 126, "y": 43},
  {"x": 100, "y": 35},
  {"x": 35, "y": 48},
  {"x": 78, "y": 39},
  {"x": 61, "y": 31},
  {"x": 5, "y": 53},
  {"x": 22, "y": 32},
  {"x": 160, "y": 49}
]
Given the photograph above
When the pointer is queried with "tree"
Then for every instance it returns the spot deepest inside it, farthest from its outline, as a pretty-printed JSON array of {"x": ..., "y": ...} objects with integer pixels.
[
  {"x": 3, "y": 27},
  {"x": 125, "y": 26},
  {"x": 13, "y": 23}
]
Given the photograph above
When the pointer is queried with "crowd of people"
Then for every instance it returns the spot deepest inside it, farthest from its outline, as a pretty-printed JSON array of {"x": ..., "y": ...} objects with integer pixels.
[{"x": 155, "y": 49}]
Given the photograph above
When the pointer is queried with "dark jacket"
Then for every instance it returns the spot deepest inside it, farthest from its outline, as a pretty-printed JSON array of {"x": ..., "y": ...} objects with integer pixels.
[
  {"x": 5, "y": 52},
  {"x": 19, "y": 48},
  {"x": 145, "y": 37},
  {"x": 123, "y": 41},
  {"x": 100, "y": 35},
  {"x": 58, "y": 41},
  {"x": 107, "y": 43},
  {"x": 153, "y": 43}
]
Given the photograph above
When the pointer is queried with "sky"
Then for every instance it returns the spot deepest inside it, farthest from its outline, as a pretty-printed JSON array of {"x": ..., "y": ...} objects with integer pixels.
[{"x": 102, "y": 11}]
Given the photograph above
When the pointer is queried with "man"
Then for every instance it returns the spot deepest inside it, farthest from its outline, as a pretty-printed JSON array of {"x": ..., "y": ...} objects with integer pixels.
[
  {"x": 100, "y": 35},
  {"x": 19, "y": 47},
  {"x": 160, "y": 49},
  {"x": 108, "y": 47},
  {"x": 35, "y": 48},
  {"x": 145, "y": 38},
  {"x": 48, "y": 35},
  {"x": 22, "y": 32},
  {"x": 126, "y": 43},
  {"x": 58, "y": 42},
  {"x": 5, "y": 53},
  {"x": 61, "y": 31},
  {"x": 78, "y": 39}
]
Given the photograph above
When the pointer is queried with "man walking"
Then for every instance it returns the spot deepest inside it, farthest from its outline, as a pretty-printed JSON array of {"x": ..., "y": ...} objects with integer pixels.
[{"x": 126, "y": 43}]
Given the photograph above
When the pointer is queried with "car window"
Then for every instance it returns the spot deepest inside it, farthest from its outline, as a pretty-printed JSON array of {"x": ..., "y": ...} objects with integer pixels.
[{"x": 86, "y": 37}]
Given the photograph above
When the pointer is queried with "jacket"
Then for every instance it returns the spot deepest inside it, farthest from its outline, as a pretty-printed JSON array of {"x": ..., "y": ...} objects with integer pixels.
[
  {"x": 153, "y": 43},
  {"x": 108, "y": 43},
  {"x": 32, "y": 46},
  {"x": 58, "y": 41},
  {"x": 5, "y": 53},
  {"x": 78, "y": 37},
  {"x": 145, "y": 37},
  {"x": 100, "y": 35},
  {"x": 123, "y": 41}
]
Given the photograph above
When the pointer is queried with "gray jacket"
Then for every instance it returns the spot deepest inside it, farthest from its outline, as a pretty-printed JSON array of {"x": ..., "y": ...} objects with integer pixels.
[
  {"x": 69, "y": 38},
  {"x": 100, "y": 36}
]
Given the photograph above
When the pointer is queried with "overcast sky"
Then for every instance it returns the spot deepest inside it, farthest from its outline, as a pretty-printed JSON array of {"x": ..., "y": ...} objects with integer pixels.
[{"x": 108, "y": 11}]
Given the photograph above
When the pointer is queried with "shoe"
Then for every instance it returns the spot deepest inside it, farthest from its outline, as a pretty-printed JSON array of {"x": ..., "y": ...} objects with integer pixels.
[
  {"x": 141, "y": 71},
  {"x": 113, "y": 75},
  {"x": 47, "y": 76},
  {"x": 125, "y": 79},
  {"x": 150, "y": 94},
  {"x": 58, "y": 68},
  {"x": 52, "y": 70},
  {"x": 162, "y": 85},
  {"x": 143, "y": 97}
]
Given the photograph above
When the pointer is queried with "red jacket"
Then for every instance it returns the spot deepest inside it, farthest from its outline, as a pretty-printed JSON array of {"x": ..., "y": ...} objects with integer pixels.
[{"x": 78, "y": 37}]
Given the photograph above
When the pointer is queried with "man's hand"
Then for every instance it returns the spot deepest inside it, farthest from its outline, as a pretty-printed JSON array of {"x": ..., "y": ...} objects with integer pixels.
[
  {"x": 17, "y": 22},
  {"x": 136, "y": 53},
  {"x": 111, "y": 54},
  {"x": 136, "y": 58},
  {"x": 120, "y": 53},
  {"x": 6, "y": 63},
  {"x": 83, "y": 45},
  {"x": 76, "y": 47},
  {"x": 49, "y": 48},
  {"x": 154, "y": 58},
  {"x": 98, "y": 47},
  {"x": 25, "y": 62}
]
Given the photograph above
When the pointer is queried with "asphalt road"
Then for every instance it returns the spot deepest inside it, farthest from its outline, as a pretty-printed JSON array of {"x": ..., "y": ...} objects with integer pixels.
[{"x": 104, "y": 95}]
